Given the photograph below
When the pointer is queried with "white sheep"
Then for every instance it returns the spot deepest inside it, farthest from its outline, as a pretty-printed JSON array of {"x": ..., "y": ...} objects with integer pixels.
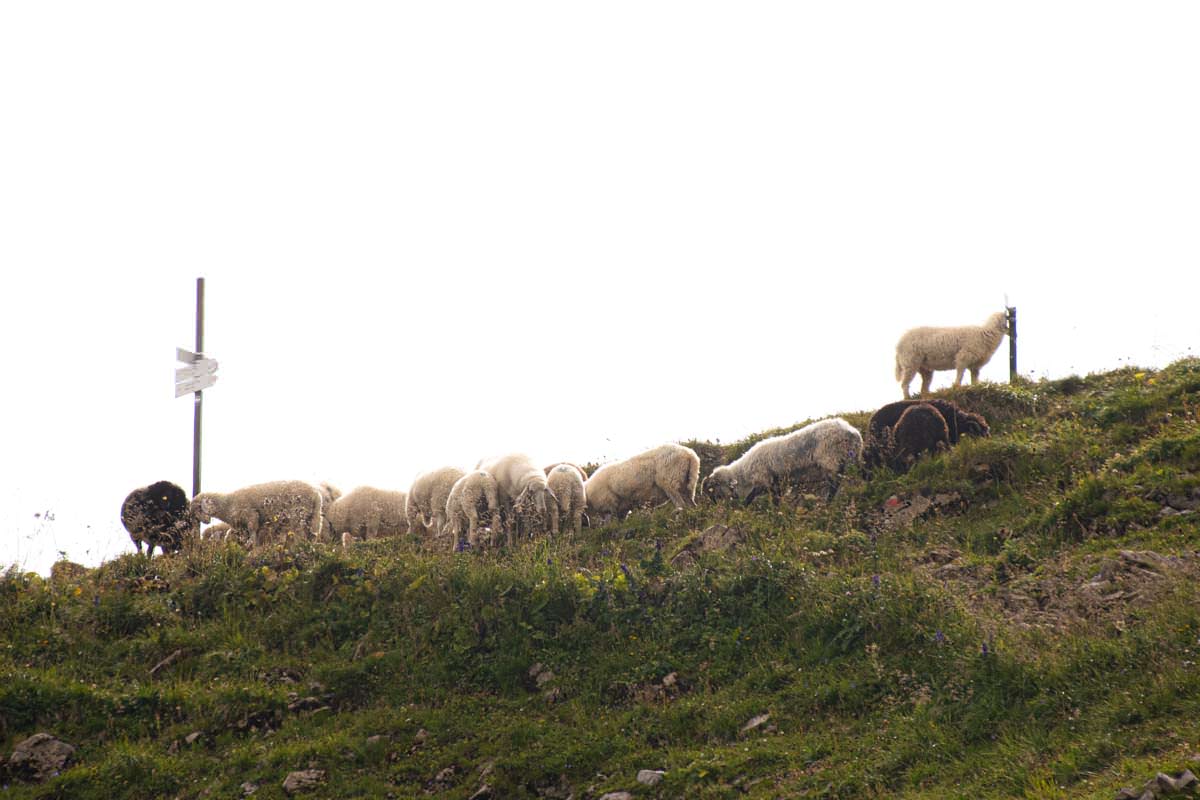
[
  {"x": 265, "y": 511},
  {"x": 471, "y": 494},
  {"x": 426, "y": 507},
  {"x": 570, "y": 498},
  {"x": 967, "y": 347},
  {"x": 523, "y": 491},
  {"x": 329, "y": 493},
  {"x": 368, "y": 513},
  {"x": 773, "y": 464},
  {"x": 666, "y": 473}
]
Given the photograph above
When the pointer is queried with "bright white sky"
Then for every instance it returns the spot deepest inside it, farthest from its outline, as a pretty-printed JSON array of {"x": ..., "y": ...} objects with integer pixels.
[{"x": 437, "y": 231}]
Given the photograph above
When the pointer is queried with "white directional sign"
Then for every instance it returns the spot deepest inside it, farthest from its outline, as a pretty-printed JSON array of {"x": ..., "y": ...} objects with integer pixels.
[{"x": 199, "y": 374}]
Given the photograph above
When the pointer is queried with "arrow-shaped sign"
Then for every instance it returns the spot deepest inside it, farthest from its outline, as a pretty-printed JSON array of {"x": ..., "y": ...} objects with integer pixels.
[{"x": 199, "y": 374}]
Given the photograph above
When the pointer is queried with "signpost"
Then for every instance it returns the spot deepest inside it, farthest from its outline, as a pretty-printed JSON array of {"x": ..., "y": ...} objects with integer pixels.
[{"x": 198, "y": 375}]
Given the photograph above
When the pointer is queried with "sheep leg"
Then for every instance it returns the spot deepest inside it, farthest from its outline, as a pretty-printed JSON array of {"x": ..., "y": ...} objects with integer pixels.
[
  {"x": 958, "y": 376},
  {"x": 578, "y": 522},
  {"x": 974, "y": 375},
  {"x": 926, "y": 379},
  {"x": 905, "y": 380},
  {"x": 675, "y": 497}
]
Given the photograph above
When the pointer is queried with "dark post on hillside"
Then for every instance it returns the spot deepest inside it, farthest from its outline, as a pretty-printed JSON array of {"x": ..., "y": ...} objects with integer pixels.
[
  {"x": 1012, "y": 344},
  {"x": 199, "y": 394}
]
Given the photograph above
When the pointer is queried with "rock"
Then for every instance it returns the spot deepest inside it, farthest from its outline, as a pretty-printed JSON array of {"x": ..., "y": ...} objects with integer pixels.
[
  {"x": 374, "y": 740},
  {"x": 443, "y": 781},
  {"x": 249, "y": 788},
  {"x": 1127, "y": 794},
  {"x": 1183, "y": 502},
  {"x": 616, "y": 796},
  {"x": 670, "y": 679},
  {"x": 536, "y": 670},
  {"x": 192, "y": 738},
  {"x": 755, "y": 722},
  {"x": 650, "y": 777},
  {"x": 304, "y": 704},
  {"x": 420, "y": 736},
  {"x": 552, "y": 695},
  {"x": 39, "y": 757},
  {"x": 484, "y": 792},
  {"x": 544, "y": 677},
  {"x": 303, "y": 780},
  {"x": 714, "y": 539}
]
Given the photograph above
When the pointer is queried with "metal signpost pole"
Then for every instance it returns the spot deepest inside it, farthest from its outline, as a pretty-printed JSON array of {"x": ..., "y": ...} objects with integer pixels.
[{"x": 199, "y": 394}]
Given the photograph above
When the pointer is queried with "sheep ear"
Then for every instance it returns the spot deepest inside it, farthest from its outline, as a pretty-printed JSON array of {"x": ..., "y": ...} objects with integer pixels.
[
  {"x": 519, "y": 499},
  {"x": 733, "y": 481}
]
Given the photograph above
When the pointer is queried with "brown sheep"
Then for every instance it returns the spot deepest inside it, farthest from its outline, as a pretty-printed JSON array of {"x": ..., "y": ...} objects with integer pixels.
[
  {"x": 920, "y": 429},
  {"x": 959, "y": 421}
]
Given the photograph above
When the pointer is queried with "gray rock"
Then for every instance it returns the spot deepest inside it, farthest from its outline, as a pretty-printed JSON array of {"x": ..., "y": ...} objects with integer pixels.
[
  {"x": 39, "y": 757},
  {"x": 249, "y": 788},
  {"x": 755, "y": 722},
  {"x": 303, "y": 780},
  {"x": 616, "y": 796},
  {"x": 192, "y": 738},
  {"x": 544, "y": 677},
  {"x": 650, "y": 777}
]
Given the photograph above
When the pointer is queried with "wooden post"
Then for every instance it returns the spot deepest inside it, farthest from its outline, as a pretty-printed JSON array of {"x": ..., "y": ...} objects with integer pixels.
[
  {"x": 199, "y": 395},
  {"x": 1012, "y": 344}
]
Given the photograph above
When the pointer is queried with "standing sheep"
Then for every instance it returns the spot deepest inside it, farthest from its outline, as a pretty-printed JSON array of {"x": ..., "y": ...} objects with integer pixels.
[
  {"x": 157, "y": 515},
  {"x": 666, "y": 473},
  {"x": 581, "y": 470},
  {"x": 267, "y": 512},
  {"x": 470, "y": 495},
  {"x": 367, "y": 513},
  {"x": 523, "y": 491},
  {"x": 774, "y": 464},
  {"x": 426, "y": 507},
  {"x": 968, "y": 347},
  {"x": 329, "y": 494},
  {"x": 920, "y": 429},
  {"x": 570, "y": 496}
]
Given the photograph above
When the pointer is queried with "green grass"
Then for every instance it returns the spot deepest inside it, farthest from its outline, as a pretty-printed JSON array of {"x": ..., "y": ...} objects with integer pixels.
[{"x": 960, "y": 656}]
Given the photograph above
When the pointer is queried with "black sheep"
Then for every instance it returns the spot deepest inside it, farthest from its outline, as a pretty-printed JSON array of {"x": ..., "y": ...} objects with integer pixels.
[
  {"x": 157, "y": 515},
  {"x": 920, "y": 429}
]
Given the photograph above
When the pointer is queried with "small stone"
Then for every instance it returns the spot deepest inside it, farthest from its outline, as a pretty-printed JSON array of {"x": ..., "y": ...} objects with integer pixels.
[
  {"x": 249, "y": 788},
  {"x": 552, "y": 695},
  {"x": 39, "y": 757},
  {"x": 616, "y": 796},
  {"x": 1186, "y": 782},
  {"x": 670, "y": 679},
  {"x": 650, "y": 777},
  {"x": 544, "y": 677},
  {"x": 420, "y": 736},
  {"x": 321, "y": 713},
  {"x": 374, "y": 740},
  {"x": 536, "y": 670},
  {"x": 484, "y": 792},
  {"x": 303, "y": 780},
  {"x": 1127, "y": 794}
]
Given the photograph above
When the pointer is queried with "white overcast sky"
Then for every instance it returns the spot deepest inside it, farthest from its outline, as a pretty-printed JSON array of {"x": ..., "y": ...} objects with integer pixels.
[{"x": 436, "y": 231}]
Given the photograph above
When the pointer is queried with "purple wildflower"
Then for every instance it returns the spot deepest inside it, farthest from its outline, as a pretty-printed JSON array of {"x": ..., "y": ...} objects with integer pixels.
[
  {"x": 939, "y": 637},
  {"x": 875, "y": 581}
]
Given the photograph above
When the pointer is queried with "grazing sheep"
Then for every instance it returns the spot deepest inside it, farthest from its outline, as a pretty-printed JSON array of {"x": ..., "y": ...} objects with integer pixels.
[
  {"x": 968, "y": 347},
  {"x": 570, "y": 498},
  {"x": 217, "y": 532},
  {"x": 959, "y": 422},
  {"x": 426, "y": 507},
  {"x": 920, "y": 429},
  {"x": 157, "y": 515},
  {"x": 581, "y": 470},
  {"x": 666, "y": 473},
  {"x": 368, "y": 513},
  {"x": 267, "y": 512},
  {"x": 470, "y": 495},
  {"x": 774, "y": 464},
  {"x": 523, "y": 492}
]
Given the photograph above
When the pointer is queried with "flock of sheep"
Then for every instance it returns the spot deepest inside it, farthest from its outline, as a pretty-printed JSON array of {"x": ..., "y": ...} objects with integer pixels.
[{"x": 511, "y": 496}]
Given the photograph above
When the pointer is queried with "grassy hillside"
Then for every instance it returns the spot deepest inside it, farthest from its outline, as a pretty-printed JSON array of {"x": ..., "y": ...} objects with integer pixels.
[{"x": 1017, "y": 618}]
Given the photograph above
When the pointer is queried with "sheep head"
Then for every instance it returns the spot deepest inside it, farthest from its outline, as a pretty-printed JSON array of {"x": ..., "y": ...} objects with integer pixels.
[
  {"x": 203, "y": 506},
  {"x": 720, "y": 485},
  {"x": 973, "y": 424},
  {"x": 533, "y": 497}
]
